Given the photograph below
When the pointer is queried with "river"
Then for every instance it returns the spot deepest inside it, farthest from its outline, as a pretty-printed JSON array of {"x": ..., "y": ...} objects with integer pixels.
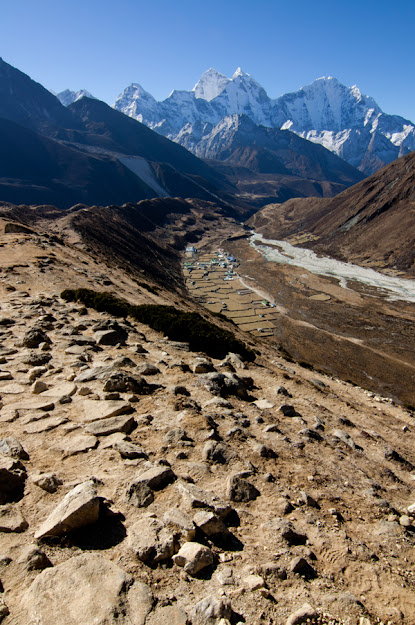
[{"x": 392, "y": 288}]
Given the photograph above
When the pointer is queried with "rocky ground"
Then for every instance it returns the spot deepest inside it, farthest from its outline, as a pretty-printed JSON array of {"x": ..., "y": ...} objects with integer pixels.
[{"x": 142, "y": 483}]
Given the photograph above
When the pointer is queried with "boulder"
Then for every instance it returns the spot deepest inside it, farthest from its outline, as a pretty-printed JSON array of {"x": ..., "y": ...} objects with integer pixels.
[
  {"x": 123, "y": 382},
  {"x": 12, "y": 479},
  {"x": 217, "y": 452},
  {"x": 111, "y": 337},
  {"x": 34, "y": 337},
  {"x": 181, "y": 522},
  {"x": 156, "y": 477},
  {"x": 151, "y": 541},
  {"x": 139, "y": 494},
  {"x": 239, "y": 489},
  {"x": 10, "y": 446},
  {"x": 35, "y": 359},
  {"x": 210, "y": 610},
  {"x": 195, "y": 497},
  {"x": 210, "y": 524},
  {"x": 78, "y": 508},
  {"x": 193, "y": 557},
  {"x": 87, "y": 589},
  {"x": 226, "y": 384}
]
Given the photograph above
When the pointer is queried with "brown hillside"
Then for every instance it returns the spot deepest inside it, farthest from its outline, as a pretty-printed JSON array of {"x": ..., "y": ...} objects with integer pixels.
[{"x": 373, "y": 222}]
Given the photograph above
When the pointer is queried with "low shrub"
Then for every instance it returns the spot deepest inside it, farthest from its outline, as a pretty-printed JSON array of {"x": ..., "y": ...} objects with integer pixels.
[{"x": 177, "y": 325}]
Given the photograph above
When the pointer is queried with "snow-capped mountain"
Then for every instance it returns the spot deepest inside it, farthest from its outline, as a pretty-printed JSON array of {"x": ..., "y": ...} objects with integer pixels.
[
  {"x": 67, "y": 97},
  {"x": 340, "y": 118},
  {"x": 210, "y": 84}
]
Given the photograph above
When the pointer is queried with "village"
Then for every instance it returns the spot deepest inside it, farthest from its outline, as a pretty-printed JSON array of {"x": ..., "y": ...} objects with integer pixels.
[{"x": 213, "y": 281}]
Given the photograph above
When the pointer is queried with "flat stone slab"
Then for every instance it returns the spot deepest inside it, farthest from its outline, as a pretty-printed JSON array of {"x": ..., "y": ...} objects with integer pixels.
[
  {"x": 95, "y": 373},
  {"x": 264, "y": 404},
  {"x": 44, "y": 425},
  {"x": 13, "y": 389},
  {"x": 66, "y": 389},
  {"x": 78, "y": 444},
  {"x": 37, "y": 403},
  {"x": 94, "y": 410},
  {"x": 104, "y": 427}
]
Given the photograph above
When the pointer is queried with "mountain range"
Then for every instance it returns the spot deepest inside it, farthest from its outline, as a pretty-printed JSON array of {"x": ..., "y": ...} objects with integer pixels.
[
  {"x": 90, "y": 153},
  {"x": 326, "y": 112}
]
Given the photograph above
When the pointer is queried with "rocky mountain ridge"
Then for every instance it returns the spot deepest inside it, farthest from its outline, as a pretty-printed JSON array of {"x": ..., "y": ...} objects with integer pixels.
[{"x": 340, "y": 118}]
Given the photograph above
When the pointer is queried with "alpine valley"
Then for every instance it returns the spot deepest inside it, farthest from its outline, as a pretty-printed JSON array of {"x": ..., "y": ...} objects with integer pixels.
[{"x": 207, "y": 358}]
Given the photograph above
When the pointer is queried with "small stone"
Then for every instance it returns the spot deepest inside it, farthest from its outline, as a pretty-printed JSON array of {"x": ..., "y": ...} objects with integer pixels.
[
  {"x": 39, "y": 387},
  {"x": 202, "y": 365},
  {"x": 47, "y": 481},
  {"x": 211, "y": 611},
  {"x": 288, "y": 410},
  {"x": 264, "y": 404},
  {"x": 34, "y": 559},
  {"x": 149, "y": 369},
  {"x": 11, "y": 519},
  {"x": 302, "y": 614},
  {"x": 405, "y": 521},
  {"x": 193, "y": 557},
  {"x": 254, "y": 582}
]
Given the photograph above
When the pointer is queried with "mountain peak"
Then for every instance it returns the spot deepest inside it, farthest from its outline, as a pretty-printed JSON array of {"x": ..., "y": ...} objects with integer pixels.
[
  {"x": 239, "y": 73},
  {"x": 67, "y": 97},
  {"x": 210, "y": 84}
]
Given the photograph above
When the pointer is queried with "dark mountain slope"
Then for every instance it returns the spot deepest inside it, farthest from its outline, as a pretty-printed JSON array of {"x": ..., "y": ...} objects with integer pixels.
[
  {"x": 106, "y": 128},
  {"x": 38, "y": 170},
  {"x": 27, "y": 103},
  {"x": 373, "y": 222}
]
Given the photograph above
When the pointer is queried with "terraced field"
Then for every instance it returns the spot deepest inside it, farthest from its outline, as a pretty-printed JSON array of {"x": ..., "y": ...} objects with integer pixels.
[{"x": 213, "y": 280}]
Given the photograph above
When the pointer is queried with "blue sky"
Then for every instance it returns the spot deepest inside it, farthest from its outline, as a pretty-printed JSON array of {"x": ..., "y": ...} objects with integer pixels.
[{"x": 105, "y": 45}]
